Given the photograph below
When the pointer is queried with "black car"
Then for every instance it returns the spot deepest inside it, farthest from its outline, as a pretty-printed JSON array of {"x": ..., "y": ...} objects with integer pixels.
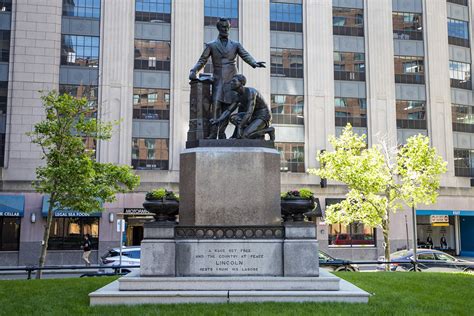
[
  {"x": 326, "y": 261},
  {"x": 428, "y": 260}
]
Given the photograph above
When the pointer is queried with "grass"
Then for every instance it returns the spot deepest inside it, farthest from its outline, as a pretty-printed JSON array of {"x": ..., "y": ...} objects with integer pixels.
[{"x": 393, "y": 294}]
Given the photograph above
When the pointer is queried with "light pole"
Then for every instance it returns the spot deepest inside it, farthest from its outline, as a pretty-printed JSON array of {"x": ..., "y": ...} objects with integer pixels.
[{"x": 415, "y": 242}]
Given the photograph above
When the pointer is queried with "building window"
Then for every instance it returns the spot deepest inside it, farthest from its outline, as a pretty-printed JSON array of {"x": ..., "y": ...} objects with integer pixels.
[
  {"x": 460, "y": 2},
  {"x": 150, "y": 153},
  {"x": 351, "y": 110},
  {"x": 79, "y": 50},
  {"x": 458, "y": 32},
  {"x": 10, "y": 233},
  {"x": 82, "y": 8},
  {"x": 463, "y": 118},
  {"x": 464, "y": 162},
  {"x": 81, "y": 91},
  {"x": 411, "y": 114},
  {"x": 151, "y": 104},
  {"x": 216, "y": 9},
  {"x": 67, "y": 233},
  {"x": 6, "y": 5},
  {"x": 286, "y": 62},
  {"x": 354, "y": 234},
  {"x": 4, "y": 46},
  {"x": 286, "y": 17},
  {"x": 349, "y": 66},
  {"x": 407, "y": 26},
  {"x": 291, "y": 157},
  {"x": 155, "y": 11},
  {"x": 460, "y": 74},
  {"x": 409, "y": 69},
  {"x": 348, "y": 21},
  {"x": 152, "y": 55},
  {"x": 287, "y": 109}
]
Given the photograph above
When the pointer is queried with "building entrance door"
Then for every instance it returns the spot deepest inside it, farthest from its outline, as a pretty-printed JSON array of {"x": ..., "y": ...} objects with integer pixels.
[{"x": 467, "y": 235}]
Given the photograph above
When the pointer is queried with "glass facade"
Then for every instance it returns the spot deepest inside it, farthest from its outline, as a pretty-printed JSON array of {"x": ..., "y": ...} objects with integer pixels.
[
  {"x": 82, "y": 8},
  {"x": 155, "y": 11},
  {"x": 6, "y": 5},
  {"x": 215, "y": 9},
  {"x": 354, "y": 234},
  {"x": 4, "y": 46},
  {"x": 407, "y": 26},
  {"x": 458, "y": 32},
  {"x": 460, "y": 74},
  {"x": 150, "y": 153},
  {"x": 286, "y": 17},
  {"x": 291, "y": 157},
  {"x": 351, "y": 110},
  {"x": 463, "y": 162},
  {"x": 151, "y": 104},
  {"x": 287, "y": 109},
  {"x": 349, "y": 66},
  {"x": 77, "y": 50},
  {"x": 348, "y": 21},
  {"x": 286, "y": 62},
  {"x": 10, "y": 233},
  {"x": 409, "y": 69},
  {"x": 67, "y": 233},
  {"x": 411, "y": 114},
  {"x": 152, "y": 55},
  {"x": 463, "y": 118}
]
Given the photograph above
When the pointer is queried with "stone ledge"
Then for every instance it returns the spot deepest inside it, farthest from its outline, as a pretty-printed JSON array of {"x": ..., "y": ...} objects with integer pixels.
[{"x": 230, "y": 143}]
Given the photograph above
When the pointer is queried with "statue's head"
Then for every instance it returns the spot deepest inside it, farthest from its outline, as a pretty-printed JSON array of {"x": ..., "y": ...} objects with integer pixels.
[
  {"x": 238, "y": 81},
  {"x": 223, "y": 25}
]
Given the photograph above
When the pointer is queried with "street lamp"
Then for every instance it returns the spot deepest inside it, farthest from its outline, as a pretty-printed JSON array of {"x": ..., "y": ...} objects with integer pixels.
[{"x": 415, "y": 241}]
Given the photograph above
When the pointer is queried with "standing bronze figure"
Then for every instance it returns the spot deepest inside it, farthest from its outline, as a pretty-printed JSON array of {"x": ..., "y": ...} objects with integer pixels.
[{"x": 223, "y": 53}]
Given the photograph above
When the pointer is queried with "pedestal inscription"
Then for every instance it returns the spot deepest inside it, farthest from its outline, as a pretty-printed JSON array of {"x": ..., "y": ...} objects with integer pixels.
[{"x": 229, "y": 258}]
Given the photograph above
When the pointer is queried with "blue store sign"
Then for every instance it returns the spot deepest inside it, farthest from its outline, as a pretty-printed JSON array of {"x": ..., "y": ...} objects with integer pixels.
[
  {"x": 65, "y": 212},
  {"x": 12, "y": 205},
  {"x": 444, "y": 212}
]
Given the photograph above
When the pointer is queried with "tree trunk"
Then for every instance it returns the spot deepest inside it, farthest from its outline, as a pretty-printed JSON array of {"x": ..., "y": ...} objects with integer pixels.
[
  {"x": 47, "y": 229},
  {"x": 386, "y": 239}
]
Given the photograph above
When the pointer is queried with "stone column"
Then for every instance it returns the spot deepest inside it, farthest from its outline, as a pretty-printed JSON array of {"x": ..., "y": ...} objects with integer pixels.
[
  {"x": 116, "y": 78},
  {"x": 438, "y": 91},
  {"x": 380, "y": 79},
  {"x": 34, "y": 65},
  {"x": 187, "y": 43},
  {"x": 254, "y": 29},
  {"x": 318, "y": 77}
]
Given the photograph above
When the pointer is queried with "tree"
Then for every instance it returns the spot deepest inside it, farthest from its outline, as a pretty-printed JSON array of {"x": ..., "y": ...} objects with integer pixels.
[
  {"x": 379, "y": 179},
  {"x": 70, "y": 174}
]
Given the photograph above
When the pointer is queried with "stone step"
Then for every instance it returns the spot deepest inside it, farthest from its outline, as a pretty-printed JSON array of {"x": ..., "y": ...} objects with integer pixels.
[
  {"x": 229, "y": 283},
  {"x": 110, "y": 295}
]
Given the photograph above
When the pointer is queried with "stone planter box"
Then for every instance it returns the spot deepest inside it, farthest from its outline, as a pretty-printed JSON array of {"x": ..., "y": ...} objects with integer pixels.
[{"x": 294, "y": 209}]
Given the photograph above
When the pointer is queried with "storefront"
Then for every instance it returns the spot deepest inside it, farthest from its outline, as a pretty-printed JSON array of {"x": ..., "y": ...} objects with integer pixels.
[
  {"x": 135, "y": 218},
  {"x": 447, "y": 230},
  {"x": 69, "y": 228},
  {"x": 11, "y": 212}
]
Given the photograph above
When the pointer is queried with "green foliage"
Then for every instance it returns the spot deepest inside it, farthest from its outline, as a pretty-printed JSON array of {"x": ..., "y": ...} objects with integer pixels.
[
  {"x": 161, "y": 193},
  {"x": 379, "y": 179},
  {"x": 70, "y": 173},
  {"x": 303, "y": 193}
]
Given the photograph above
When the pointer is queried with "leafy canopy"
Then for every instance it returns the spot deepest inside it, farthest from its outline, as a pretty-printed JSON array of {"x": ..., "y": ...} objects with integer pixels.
[
  {"x": 379, "y": 179},
  {"x": 70, "y": 173}
]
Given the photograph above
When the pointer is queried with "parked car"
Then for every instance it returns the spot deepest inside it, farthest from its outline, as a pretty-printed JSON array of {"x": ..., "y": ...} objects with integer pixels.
[
  {"x": 428, "y": 260},
  {"x": 130, "y": 257},
  {"x": 326, "y": 261}
]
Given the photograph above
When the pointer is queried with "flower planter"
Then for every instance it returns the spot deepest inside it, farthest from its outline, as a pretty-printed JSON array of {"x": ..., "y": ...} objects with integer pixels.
[
  {"x": 294, "y": 209},
  {"x": 165, "y": 210}
]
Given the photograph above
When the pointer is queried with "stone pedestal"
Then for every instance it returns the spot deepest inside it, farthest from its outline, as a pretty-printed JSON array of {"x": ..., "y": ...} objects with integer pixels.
[
  {"x": 300, "y": 248},
  {"x": 229, "y": 186},
  {"x": 158, "y": 250},
  {"x": 199, "y": 111}
]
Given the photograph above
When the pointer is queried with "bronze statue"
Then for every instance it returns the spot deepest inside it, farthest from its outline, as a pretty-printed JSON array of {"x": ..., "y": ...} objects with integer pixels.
[
  {"x": 223, "y": 53},
  {"x": 253, "y": 117}
]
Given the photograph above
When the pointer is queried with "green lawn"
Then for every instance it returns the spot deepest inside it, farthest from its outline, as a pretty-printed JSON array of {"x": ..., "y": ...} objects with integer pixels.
[{"x": 400, "y": 293}]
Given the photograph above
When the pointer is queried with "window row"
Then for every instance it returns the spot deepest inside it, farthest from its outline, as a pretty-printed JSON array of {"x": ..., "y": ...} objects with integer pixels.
[
  {"x": 152, "y": 55},
  {"x": 349, "y": 66},
  {"x": 287, "y": 17},
  {"x": 409, "y": 69},
  {"x": 82, "y": 8},
  {"x": 407, "y": 26},
  {"x": 460, "y": 74},
  {"x": 215, "y": 9},
  {"x": 287, "y": 109},
  {"x": 464, "y": 162},
  {"x": 463, "y": 118},
  {"x": 9, "y": 233},
  {"x": 67, "y": 233},
  {"x": 291, "y": 157},
  {"x": 348, "y": 21},
  {"x": 150, "y": 153},
  {"x": 350, "y": 110},
  {"x": 286, "y": 62},
  {"x": 78, "y": 50},
  {"x": 353, "y": 234},
  {"x": 4, "y": 46},
  {"x": 155, "y": 11},
  {"x": 458, "y": 32},
  {"x": 6, "y": 5},
  {"x": 151, "y": 104}
]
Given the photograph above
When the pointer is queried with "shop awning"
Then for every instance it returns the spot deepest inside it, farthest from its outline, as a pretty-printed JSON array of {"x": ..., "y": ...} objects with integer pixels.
[
  {"x": 444, "y": 212},
  {"x": 12, "y": 205},
  {"x": 65, "y": 212}
]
